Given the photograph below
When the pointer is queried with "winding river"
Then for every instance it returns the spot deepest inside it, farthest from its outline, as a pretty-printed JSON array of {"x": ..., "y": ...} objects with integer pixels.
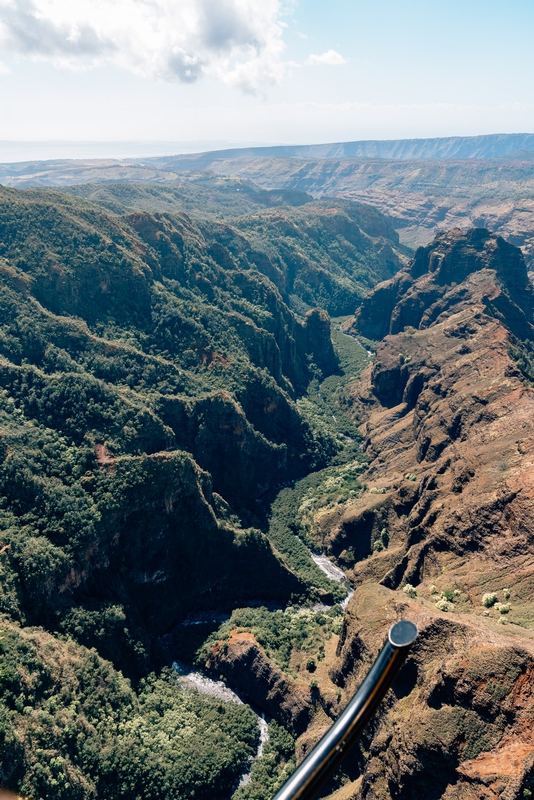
[
  {"x": 189, "y": 678},
  {"x": 192, "y": 679}
]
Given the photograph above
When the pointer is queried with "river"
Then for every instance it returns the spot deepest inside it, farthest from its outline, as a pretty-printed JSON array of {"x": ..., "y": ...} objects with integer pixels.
[
  {"x": 189, "y": 678},
  {"x": 192, "y": 679},
  {"x": 335, "y": 574}
]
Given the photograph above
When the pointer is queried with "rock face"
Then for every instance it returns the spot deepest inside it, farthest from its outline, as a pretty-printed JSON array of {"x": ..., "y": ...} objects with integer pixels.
[
  {"x": 459, "y": 722},
  {"x": 448, "y": 509},
  {"x": 447, "y": 405},
  {"x": 434, "y": 283},
  {"x": 243, "y": 662}
]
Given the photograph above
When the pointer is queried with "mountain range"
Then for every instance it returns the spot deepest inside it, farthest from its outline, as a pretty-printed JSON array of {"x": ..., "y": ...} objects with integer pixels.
[{"x": 424, "y": 185}]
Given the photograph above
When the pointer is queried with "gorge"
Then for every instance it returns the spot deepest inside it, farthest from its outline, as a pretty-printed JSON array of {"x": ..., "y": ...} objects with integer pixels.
[{"x": 204, "y": 418}]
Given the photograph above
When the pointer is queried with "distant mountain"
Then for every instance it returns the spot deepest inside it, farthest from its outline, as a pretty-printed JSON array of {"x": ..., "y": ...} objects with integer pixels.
[
  {"x": 162, "y": 169},
  {"x": 422, "y": 197},
  {"x": 424, "y": 185},
  {"x": 495, "y": 145}
]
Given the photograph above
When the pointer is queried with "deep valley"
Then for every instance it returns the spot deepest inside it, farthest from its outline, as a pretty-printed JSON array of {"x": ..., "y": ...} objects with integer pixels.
[{"x": 244, "y": 430}]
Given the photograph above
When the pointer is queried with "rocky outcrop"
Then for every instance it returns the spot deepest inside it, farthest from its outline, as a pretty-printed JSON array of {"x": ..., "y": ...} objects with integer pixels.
[
  {"x": 447, "y": 406},
  {"x": 448, "y": 508},
  {"x": 458, "y": 723},
  {"x": 242, "y": 661},
  {"x": 434, "y": 283}
]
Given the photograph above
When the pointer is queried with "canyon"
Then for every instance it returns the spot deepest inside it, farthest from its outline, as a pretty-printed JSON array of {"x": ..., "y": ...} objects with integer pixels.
[
  {"x": 445, "y": 410},
  {"x": 250, "y": 440}
]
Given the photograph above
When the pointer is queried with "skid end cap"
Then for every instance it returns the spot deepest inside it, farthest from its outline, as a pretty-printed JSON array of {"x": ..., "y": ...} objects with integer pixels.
[{"x": 403, "y": 633}]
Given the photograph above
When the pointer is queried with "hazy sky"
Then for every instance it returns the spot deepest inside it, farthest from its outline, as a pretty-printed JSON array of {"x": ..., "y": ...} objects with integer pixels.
[{"x": 264, "y": 71}]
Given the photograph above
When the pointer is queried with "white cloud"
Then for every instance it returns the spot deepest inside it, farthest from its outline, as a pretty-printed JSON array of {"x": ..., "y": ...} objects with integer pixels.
[
  {"x": 4, "y": 69},
  {"x": 331, "y": 58},
  {"x": 238, "y": 42}
]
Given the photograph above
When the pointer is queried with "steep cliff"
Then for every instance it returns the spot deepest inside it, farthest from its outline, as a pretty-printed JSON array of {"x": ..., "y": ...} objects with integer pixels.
[
  {"x": 442, "y": 531},
  {"x": 437, "y": 529},
  {"x": 147, "y": 401}
]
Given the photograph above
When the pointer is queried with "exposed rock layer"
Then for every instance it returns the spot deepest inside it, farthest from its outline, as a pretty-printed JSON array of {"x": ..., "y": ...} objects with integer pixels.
[
  {"x": 242, "y": 660},
  {"x": 448, "y": 422}
]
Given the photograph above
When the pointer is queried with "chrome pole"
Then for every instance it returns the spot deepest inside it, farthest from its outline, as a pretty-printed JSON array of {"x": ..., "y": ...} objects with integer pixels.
[{"x": 346, "y": 730}]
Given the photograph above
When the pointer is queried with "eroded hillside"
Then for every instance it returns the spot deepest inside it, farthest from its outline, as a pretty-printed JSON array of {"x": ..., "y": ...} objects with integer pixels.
[
  {"x": 154, "y": 396},
  {"x": 193, "y": 466},
  {"x": 448, "y": 406},
  {"x": 438, "y": 529}
]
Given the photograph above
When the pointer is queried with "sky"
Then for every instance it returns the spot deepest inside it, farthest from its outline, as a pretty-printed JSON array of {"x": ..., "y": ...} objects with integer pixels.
[{"x": 205, "y": 74}]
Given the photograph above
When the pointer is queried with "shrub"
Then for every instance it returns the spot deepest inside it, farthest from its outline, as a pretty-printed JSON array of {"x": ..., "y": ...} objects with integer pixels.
[
  {"x": 502, "y": 608},
  {"x": 489, "y": 599},
  {"x": 410, "y": 590},
  {"x": 444, "y": 605}
]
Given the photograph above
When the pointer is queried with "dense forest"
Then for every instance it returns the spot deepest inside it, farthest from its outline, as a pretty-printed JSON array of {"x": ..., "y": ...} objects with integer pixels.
[{"x": 162, "y": 376}]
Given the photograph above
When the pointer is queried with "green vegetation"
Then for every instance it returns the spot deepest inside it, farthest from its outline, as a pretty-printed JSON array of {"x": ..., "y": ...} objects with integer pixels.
[
  {"x": 326, "y": 254},
  {"x": 314, "y": 246},
  {"x": 71, "y": 727},
  {"x": 523, "y": 354},
  {"x": 292, "y": 528},
  {"x": 205, "y": 194},
  {"x": 327, "y": 403},
  {"x": 281, "y": 633},
  {"x": 326, "y": 407},
  {"x": 159, "y": 375},
  {"x": 381, "y": 542},
  {"x": 272, "y": 769},
  {"x": 489, "y": 599}
]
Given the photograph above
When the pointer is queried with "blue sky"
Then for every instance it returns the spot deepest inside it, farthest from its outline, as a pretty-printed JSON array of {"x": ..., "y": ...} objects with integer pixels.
[{"x": 210, "y": 72}]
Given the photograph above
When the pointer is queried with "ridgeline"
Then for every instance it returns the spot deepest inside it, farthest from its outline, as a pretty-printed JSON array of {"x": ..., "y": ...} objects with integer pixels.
[{"x": 154, "y": 377}]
